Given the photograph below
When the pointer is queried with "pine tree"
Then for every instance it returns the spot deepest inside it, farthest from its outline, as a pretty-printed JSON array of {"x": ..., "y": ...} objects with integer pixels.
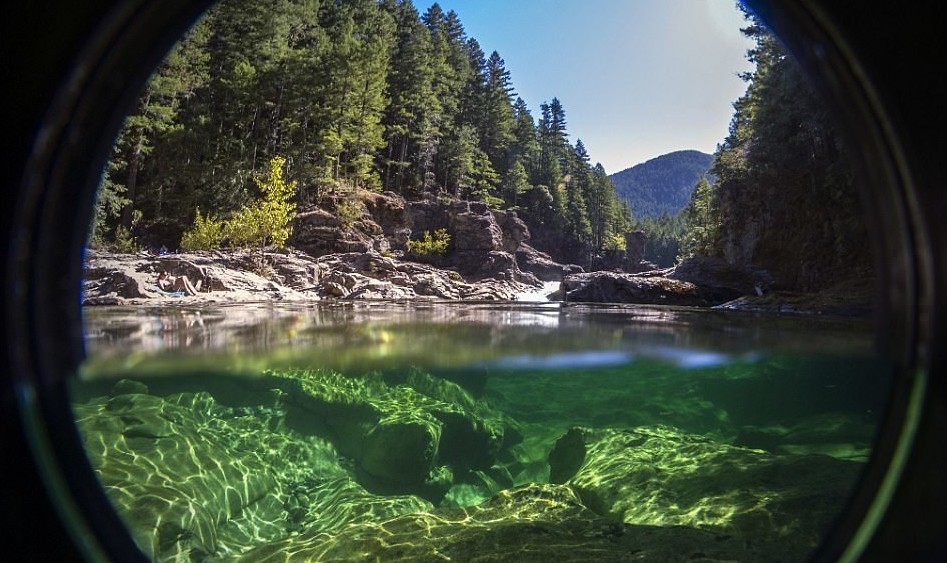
[
  {"x": 497, "y": 120},
  {"x": 702, "y": 220},
  {"x": 414, "y": 109},
  {"x": 525, "y": 146},
  {"x": 784, "y": 198}
]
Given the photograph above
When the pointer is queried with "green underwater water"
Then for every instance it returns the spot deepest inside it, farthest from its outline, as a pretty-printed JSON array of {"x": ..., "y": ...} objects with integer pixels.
[{"x": 478, "y": 433}]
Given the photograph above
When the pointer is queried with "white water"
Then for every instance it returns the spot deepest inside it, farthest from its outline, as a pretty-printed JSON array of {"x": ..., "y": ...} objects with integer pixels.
[{"x": 539, "y": 294}]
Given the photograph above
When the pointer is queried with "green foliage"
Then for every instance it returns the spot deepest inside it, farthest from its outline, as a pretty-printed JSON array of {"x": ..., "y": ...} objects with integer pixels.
[
  {"x": 783, "y": 197},
  {"x": 702, "y": 222},
  {"x": 207, "y": 233},
  {"x": 361, "y": 93},
  {"x": 436, "y": 244},
  {"x": 664, "y": 234},
  {"x": 615, "y": 242},
  {"x": 268, "y": 220},
  {"x": 349, "y": 211},
  {"x": 124, "y": 241},
  {"x": 110, "y": 200},
  {"x": 662, "y": 184},
  {"x": 263, "y": 221}
]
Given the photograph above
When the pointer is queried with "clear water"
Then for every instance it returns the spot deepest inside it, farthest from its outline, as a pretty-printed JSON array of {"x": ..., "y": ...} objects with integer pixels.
[{"x": 429, "y": 431}]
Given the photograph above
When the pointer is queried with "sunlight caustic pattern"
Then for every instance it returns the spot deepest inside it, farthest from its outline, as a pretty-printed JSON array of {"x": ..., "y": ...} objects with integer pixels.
[{"x": 527, "y": 462}]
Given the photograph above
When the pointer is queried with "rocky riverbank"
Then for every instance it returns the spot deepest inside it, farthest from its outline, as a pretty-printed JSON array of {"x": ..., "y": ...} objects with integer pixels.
[
  {"x": 360, "y": 247},
  {"x": 291, "y": 275},
  {"x": 349, "y": 247}
]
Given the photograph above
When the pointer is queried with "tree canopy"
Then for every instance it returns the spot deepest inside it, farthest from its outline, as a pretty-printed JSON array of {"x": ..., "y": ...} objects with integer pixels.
[
  {"x": 351, "y": 94},
  {"x": 784, "y": 195}
]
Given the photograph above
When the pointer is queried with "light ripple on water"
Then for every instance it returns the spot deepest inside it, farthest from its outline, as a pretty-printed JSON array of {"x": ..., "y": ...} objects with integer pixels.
[{"x": 732, "y": 387}]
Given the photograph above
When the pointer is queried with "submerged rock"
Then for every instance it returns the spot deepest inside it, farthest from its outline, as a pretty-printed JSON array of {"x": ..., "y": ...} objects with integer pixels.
[
  {"x": 193, "y": 478},
  {"x": 533, "y": 523},
  {"x": 189, "y": 475},
  {"x": 661, "y": 476},
  {"x": 405, "y": 438},
  {"x": 405, "y": 466}
]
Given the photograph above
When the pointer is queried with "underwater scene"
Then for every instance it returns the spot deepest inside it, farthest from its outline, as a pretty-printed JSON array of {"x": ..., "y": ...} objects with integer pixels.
[{"x": 430, "y": 431}]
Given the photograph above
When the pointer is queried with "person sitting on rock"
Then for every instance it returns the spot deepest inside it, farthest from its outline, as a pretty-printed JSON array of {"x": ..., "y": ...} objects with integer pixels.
[{"x": 170, "y": 284}]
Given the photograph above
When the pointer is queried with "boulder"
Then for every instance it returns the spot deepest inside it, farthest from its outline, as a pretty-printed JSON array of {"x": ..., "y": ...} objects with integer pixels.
[
  {"x": 476, "y": 232},
  {"x": 699, "y": 281},
  {"x": 426, "y": 215},
  {"x": 400, "y": 451},
  {"x": 542, "y": 265},
  {"x": 534, "y": 523},
  {"x": 661, "y": 476},
  {"x": 515, "y": 231},
  {"x": 404, "y": 438},
  {"x": 615, "y": 287},
  {"x": 490, "y": 264},
  {"x": 720, "y": 281},
  {"x": 318, "y": 232},
  {"x": 388, "y": 210}
]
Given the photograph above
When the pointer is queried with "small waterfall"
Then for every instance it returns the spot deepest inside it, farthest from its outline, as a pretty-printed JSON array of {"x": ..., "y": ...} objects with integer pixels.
[{"x": 539, "y": 294}]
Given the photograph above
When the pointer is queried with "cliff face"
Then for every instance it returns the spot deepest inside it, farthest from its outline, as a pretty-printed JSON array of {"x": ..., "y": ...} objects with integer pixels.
[{"x": 483, "y": 243}]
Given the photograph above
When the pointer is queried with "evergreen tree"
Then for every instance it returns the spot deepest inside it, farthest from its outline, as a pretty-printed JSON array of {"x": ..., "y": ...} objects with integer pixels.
[
  {"x": 497, "y": 119},
  {"x": 414, "y": 109},
  {"x": 784, "y": 197},
  {"x": 182, "y": 73},
  {"x": 701, "y": 218},
  {"x": 525, "y": 145},
  {"x": 352, "y": 94}
]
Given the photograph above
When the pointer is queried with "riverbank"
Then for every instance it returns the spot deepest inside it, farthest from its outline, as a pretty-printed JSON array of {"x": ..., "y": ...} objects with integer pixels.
[
  {"x": 286, "y": 275},
  {"x": 291, "y": 275}
]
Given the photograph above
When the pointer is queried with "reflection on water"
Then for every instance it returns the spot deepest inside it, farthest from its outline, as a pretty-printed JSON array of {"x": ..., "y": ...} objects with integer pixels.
[
  {"x": 450, "y": 431},
  {"x": 449, "y": 334}
]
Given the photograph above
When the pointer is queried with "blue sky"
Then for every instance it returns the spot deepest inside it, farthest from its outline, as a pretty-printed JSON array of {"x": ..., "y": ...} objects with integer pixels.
[{"x": 637, "y": 78}]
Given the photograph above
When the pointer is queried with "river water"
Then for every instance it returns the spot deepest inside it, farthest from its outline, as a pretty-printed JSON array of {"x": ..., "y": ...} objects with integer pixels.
[{"x": 424, "y": 430}]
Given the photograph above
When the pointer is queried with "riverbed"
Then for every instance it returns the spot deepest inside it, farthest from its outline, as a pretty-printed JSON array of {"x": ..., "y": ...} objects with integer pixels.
[{"x": 526, "y": 430}]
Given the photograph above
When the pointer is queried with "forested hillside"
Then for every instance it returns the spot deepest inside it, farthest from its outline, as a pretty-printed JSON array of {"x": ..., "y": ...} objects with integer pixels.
[
  {"x": 662, "y": 184},
  {"x": 349, "y": 95},
  {"x": 784, "y": 196}
]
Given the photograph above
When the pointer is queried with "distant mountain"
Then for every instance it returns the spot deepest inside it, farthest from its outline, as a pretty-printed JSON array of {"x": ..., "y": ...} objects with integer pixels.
[{"x": 662, "y": 184}]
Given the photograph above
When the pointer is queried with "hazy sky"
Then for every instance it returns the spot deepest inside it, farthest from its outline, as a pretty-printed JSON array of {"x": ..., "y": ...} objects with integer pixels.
[{"x": 637, "y": 78}]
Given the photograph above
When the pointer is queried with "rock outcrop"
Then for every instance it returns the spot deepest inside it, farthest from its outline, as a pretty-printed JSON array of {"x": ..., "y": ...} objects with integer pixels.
[
  {"x": 615, "y": 287},
  {"x": 317, "y": 465},
  {"x": 699, "y": 281},
  {"x": 542, "y": 265},
  {"x": 721, "y": 281},
  {"x": 245, "y": 276},
  {"x": 485, "y": 243},
  {"x": 785, "y": 503}
]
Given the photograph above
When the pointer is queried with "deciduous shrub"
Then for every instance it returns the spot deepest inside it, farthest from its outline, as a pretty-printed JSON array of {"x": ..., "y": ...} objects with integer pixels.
[
  {"x": 206, "y": 234},
  {"x": 261, "y": 222},
  {"x": 349, "y": 209},
  {"x": 430, "y": 244}
]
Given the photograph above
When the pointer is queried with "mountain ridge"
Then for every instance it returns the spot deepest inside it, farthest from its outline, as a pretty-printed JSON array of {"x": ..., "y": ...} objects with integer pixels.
[{"x": 662, "y": 184}]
